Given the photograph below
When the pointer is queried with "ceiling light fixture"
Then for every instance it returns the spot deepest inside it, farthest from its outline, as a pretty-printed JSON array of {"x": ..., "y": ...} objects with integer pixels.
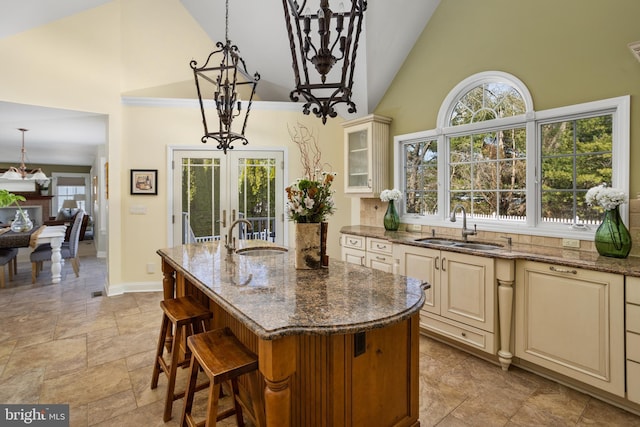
[
  {"x": 324, "y": 51},
  {"x": 21, "y": 171},
  {"x": 224, "y": 82}
]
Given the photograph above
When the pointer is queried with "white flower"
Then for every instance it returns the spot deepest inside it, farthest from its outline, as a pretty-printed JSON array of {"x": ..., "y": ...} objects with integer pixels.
[
  {"x": 607, "y": 197},
  {"x": 388, "y": 195}
]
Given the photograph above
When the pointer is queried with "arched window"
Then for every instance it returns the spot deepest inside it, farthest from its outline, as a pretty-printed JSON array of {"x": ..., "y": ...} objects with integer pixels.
[{"x": 510, "y": 166}]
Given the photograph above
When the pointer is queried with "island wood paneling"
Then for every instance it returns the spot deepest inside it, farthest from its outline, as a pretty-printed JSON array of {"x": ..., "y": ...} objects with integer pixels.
[{"x": 331, "y": 385}]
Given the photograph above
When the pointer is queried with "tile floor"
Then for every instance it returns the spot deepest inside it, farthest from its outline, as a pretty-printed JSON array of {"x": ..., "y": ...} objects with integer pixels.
[{"x": 60, "y": 344}]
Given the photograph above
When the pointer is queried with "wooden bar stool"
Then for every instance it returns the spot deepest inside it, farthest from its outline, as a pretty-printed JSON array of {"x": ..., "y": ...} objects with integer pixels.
[
  {"x": 223, "y": 359},
  {"x": 188, "y": 317}
]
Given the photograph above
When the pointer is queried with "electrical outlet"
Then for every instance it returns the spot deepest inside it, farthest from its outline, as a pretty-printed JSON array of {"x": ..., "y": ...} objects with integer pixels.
[
  {"x": 414, "y": 227},
  {"x": 151, "y": 267},
  {"x": 571, "y": 243}
]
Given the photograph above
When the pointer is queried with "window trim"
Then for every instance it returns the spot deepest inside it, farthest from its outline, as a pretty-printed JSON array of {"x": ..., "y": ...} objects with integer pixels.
[{"x": 619, "y": 107}]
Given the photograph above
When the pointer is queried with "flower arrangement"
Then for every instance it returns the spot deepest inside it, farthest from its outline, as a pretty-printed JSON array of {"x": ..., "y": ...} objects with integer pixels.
[
  {"x": 311, "y": 200},
  {"x": 607, "y": 197},
  {"x": 388, "y": 195}
]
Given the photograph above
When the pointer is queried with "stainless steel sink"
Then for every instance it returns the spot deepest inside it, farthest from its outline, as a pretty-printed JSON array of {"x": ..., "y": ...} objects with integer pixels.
[
  {"x": 477, "y": 246},
  {"x": 261, "y": 251},
  {"x": 434, "y": 241},
  {"x": 459, "y": 244}
]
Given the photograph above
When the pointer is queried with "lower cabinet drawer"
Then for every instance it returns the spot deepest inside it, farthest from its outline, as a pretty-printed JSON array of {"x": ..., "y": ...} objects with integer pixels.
[
  {"x": 633, "y": 318},
  {"x": 477, "y": 338},
  {"x": 380, "y": 262},
  {"x": 633, "y": 381},
  {"x": 354, "y": 242},
  {"x": 633, "y": 347}
]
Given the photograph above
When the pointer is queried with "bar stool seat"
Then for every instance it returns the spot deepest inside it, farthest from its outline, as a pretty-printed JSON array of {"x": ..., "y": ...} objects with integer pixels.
[
  {"x": 223, "y": 358},
  {"x": 8, "y": 257},
  {"x": 188, "y": 317}
]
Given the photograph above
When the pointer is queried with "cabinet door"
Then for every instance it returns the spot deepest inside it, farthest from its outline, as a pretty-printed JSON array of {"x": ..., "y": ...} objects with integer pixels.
[
  {"x": 358, "y": 159},
  {"x": 422, "y": 264},
  {"x": 468, "y": 288},
  {"x": 571, "y": 321}
]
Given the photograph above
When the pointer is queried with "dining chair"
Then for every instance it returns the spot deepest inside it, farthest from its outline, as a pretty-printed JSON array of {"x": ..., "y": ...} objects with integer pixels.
[
  {"x": 8, "y": 258},
  {"x": 68, "y": 250}
]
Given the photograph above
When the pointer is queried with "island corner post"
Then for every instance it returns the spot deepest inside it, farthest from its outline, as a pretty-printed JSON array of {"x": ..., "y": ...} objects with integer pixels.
[{"x": 321, "y": 379}]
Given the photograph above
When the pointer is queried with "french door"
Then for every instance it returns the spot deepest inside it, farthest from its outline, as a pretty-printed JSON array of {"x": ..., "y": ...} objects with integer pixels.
[{"x": 211, "y": 190}]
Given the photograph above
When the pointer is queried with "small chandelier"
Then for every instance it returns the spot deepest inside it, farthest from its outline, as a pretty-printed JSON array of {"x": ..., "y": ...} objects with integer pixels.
[
  {"x": 21, "y": 171},
  {"x": 223, "y": 82},
  {"x": 324, "y": 52}
]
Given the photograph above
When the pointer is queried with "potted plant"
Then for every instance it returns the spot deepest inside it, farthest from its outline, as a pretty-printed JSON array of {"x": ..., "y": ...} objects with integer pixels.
[
  {"x": 44, "y": 187},
  {"x": 21, "y": 222}
]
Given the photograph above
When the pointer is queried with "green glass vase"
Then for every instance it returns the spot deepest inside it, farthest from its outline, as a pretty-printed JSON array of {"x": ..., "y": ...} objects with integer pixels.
[
  {"x": 612, "y": 238},
  {"x": 391, "y": 218}
]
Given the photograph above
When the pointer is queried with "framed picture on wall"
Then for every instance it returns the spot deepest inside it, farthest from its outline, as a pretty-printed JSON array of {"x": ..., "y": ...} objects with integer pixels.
[{"x": 144, "y": 181}]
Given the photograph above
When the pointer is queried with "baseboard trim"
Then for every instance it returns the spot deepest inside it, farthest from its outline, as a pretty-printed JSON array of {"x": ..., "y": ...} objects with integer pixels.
[{"x": 123, "y": 288}]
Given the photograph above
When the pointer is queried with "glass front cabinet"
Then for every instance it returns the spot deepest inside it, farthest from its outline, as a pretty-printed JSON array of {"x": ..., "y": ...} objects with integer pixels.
[{"x": 367, "y": 155}]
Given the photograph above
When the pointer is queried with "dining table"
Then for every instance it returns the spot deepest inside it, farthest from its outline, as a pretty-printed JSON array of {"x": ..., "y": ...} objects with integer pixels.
[{"x": 54, "y": 235}]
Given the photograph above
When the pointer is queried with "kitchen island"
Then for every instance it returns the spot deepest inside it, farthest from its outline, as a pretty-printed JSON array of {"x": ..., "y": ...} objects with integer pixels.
[{"x": 336, "y": 346}]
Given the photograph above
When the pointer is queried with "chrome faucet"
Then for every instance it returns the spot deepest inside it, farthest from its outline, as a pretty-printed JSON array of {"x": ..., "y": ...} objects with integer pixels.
[
  {"x": 229, "y": 240},
  {"x": 465, "y": 231}
]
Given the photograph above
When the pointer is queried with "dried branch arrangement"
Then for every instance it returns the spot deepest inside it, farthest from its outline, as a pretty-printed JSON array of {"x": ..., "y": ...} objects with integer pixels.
[{"x": 310, "y": 154}]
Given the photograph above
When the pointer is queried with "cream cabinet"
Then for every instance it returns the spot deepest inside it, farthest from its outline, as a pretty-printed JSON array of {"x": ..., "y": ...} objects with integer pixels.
[
  {"x": 353, "y": 249},
  {"x": 633, "y": 338},
  {"x": 461, "y": 303},
  {"x": 368, "y": 251},
  {"x": 571, "y": 321},
  {"x": 367, "y": 155},
  {"x": 379, "y": 255}
]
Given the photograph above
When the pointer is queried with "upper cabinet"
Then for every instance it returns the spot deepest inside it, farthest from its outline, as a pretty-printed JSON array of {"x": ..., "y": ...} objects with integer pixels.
[{"x": 367, "y": 155}]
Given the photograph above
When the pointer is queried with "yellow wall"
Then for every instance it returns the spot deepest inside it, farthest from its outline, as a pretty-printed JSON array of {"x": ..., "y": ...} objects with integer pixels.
[
  {"x": 565, "y": 51},
  {"x": 87, "y": 61},
  {"x": 147, "y": 131}
]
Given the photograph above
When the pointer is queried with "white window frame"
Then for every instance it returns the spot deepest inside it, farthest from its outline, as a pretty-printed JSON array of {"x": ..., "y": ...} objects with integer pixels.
[{"x": 531, "y": 120}]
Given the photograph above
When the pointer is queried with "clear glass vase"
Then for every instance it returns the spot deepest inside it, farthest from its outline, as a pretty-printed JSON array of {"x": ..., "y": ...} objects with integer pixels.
[
  {"x": 21, "y": 222},
  {"x": 612, "y": 238},
  {"x": 391, "y": 218}
]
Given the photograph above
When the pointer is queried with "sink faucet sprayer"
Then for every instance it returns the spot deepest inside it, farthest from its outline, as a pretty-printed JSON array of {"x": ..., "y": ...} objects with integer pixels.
[
  {"x": 465, "y": 231},
  {"x": 229, "y": 241}
]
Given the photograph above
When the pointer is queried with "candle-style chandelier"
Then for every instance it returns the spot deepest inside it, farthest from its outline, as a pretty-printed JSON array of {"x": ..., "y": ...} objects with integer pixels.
[
  {"x": 331, "y": 47},
  {"x": 21, "y": 171},
  {"x": 224, "y": 82}
]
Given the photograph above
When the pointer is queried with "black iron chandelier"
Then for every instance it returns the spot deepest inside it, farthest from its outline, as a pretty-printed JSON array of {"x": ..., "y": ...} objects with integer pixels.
[
  {"x": 331, "y": 47},
  {"x": 224, "y": 82}
]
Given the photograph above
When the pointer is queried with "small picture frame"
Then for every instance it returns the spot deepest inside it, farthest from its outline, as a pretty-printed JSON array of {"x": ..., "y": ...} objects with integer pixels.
[{"x": 144, "y": 181}]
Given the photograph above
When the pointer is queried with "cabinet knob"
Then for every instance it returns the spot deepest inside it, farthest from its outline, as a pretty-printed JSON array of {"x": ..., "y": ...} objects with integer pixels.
[{"x": 436, "y": 264}]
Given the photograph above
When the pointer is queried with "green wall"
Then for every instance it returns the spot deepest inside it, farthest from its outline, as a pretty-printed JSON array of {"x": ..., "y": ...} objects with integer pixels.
[{"x": 565, "y": 51}]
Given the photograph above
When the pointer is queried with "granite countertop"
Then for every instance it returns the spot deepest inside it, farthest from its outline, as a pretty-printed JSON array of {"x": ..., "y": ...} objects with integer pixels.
[
  {"x": 273, "y": 299},
  {"x": 561, "y": 256}
]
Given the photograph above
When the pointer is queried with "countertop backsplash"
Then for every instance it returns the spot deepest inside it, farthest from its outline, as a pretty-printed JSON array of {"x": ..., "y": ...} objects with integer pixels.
[{"x": 372, "y": 214}]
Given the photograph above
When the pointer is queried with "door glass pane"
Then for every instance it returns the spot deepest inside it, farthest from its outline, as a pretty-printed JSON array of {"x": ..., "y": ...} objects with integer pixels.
[
  {"x": 200, "y": 200},
  {"x": 358, "y": 166},
  {"x": 257, "y": 197}
]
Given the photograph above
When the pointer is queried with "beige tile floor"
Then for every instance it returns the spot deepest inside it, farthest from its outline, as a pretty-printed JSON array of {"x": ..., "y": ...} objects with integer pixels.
[{"x": 60, "y": 344}]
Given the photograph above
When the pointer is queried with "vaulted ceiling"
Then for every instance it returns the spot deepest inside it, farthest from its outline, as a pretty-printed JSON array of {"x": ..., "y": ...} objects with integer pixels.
[{"x": 256, "y": 27}]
